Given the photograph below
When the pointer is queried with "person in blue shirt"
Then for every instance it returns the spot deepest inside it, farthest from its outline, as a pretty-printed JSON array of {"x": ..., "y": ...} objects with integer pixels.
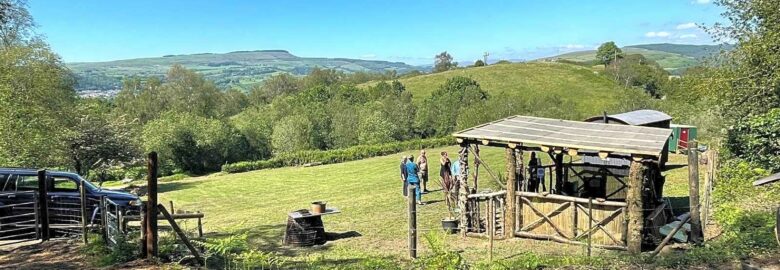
[
  {"x": 413, "y": 179},
  {"x": 404, "y": 159}
]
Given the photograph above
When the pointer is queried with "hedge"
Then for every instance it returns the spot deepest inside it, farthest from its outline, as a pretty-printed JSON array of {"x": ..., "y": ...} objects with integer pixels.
[{"x": 335, "y": 155}]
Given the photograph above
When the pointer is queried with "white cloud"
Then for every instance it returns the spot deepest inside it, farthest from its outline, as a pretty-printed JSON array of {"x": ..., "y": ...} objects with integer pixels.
[
  {"x": 702, "y": 2},
  {"x": 686, "y": 36},
  {"x": 686, "y": 26},
  {"x": 573, "y": 46},
  {"x": 661, "y": 34}
]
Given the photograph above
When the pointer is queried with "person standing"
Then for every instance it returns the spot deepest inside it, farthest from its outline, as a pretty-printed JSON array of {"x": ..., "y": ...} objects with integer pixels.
[
  {"x": 446, "y": 179},
  {"x": 422, "y": 163},
  {"x": 411, "y": 177},
  {"x": 403, "y": 175}
]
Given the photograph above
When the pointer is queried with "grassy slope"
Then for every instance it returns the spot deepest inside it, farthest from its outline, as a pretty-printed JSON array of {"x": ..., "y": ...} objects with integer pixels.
[
  {"x": 591, "y": 93},
  {"x": 667, "y": 60},
  {"x": 368, "y": 193}
]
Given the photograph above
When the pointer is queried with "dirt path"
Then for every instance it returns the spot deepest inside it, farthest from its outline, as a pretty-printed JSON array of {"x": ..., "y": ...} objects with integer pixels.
[{"x": 54, "y": 254}]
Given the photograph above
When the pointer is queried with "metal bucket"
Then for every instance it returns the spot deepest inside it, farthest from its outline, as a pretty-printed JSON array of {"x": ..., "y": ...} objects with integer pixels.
[
  {"x": 318, "y": 207},
  {"x": 449, "y": 225}
]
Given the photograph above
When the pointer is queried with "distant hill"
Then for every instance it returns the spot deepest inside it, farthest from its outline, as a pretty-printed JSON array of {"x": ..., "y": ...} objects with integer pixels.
[
  {"x": 588, "y": 92},
  {"x": 235, "y": 69},
  {"x": 673, "y": 57}
]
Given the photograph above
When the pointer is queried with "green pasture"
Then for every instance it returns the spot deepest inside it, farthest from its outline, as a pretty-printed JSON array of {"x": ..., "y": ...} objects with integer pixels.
[{"x": 373, "y": 222}]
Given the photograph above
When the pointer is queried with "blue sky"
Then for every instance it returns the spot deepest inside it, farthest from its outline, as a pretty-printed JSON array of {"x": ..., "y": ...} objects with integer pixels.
[{"x": 400, "y": 30}]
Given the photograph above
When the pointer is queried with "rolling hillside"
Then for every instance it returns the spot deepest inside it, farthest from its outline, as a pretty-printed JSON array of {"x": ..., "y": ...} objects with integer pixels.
[
  {"x": 673, "y": 57},
  {"x": 587, "y": 92},
  {"x": 239, "y": 69}
]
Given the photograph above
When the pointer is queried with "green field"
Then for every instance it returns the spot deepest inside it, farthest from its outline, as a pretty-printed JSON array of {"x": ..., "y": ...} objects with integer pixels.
[
  {"x": 587, "y": 92},
  {"x": 368, "y": 192}
]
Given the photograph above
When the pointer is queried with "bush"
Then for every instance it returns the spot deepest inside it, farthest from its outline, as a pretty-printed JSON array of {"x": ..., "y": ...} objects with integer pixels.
[
  {"x": 758, "y": 140},
  {"x": 334, "y": 156},
  {"x": 193, "y": 143}
]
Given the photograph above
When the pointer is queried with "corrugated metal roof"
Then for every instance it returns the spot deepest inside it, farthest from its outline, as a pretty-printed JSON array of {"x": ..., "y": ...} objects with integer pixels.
[
  {"x": 641, "y": 117},
  {"x": 571, "y": 134}
]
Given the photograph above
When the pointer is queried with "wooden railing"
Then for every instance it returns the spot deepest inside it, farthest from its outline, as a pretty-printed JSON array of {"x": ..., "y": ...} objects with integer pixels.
[
  {"x": 571, "y": 220},
  {"x": 487, "y": 213}
]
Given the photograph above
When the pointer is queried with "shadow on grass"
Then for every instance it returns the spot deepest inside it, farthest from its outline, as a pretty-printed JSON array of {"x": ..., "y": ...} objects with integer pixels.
[
  {"x": 334, "y": 236},
  {"x": 171, "y": 186}
]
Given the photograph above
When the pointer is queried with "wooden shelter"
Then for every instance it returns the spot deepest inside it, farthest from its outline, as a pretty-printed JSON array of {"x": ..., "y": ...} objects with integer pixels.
[
  {"x": 645, "y": 118},
  {"x": 578, "y": 203}
]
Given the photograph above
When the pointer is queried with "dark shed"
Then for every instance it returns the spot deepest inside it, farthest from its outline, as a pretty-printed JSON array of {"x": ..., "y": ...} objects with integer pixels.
[{"x": 647, "y": 118}]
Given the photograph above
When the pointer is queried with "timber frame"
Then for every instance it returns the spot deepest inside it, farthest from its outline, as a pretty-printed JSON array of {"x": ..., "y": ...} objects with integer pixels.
[{"x": 557, "y": 211}]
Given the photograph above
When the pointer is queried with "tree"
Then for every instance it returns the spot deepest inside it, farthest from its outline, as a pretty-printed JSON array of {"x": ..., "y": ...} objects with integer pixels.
[
  {"x": 292, "y": 133},
  {"x": 16, "y": 23},
  {"x": 479, "y": 63},
  {"x": 748, "y": 80},
  {"x": 374, "y": 128},
  {"x": 439, "y": 112},
  {"x": 758, "y": 140},
  {"x": 274, "y": 86},
  {"x": 443, "y": 62},
  {"x": 193, "y": 143},
  {"x": 608, "y": 52},
  {"x": 36, "y": 106},
  {"x": 637, "y": 71},
  {"x": 98, "y": 138}
]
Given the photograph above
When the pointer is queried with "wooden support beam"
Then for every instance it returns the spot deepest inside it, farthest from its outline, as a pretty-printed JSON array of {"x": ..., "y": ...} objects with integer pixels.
[
  {"x": 511, "y": 189},
  {"x": 43, "y": 205},
  {"x": 463, "y": 190},
  {"x": 412, "y": 208},
  {"x": 669, "y": 237},
  {"x": 635, "y": 216},
  {"x": 181, "y": 234},
  {"x": 151, "y": 207},
  {"x": 693, "y": 183}
]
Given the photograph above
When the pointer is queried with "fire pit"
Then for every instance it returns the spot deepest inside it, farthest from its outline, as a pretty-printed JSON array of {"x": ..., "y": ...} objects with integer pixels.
[{"x": 305, "y": 228}]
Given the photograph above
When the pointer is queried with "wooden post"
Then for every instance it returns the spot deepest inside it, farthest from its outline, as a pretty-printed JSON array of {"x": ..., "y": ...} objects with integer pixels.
[
  {"x": 558, "y": 173},
  {"x": 143, "y": 230},
  {"x": 200, "y": 227},
  {"x": 463, "y": 191},
  {"x": 634, "y": 203},
  {"x": 179, "y": 232},
  {"x": 491, "y": 226},
  {"x": 83, "y": 198},
  {"x": 412, "y": 223},
  {"x": 693, "y": 184},
  {"x": 590, "y": 224},
  {"x": 509, "y": 214},
  {"x": 151, "y": 206},
  {"x": 43, "y": 205},
  {"x": 476, "y": 167},
  {"x": 171, "y": 203}
]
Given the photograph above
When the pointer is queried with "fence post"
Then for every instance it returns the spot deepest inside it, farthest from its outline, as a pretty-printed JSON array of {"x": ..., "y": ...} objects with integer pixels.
[
  {"x": 103, "y": 217},
  {"x": 43, "y": 205},
  {"x": 693, "y": 183},
  {"x": 511, "y": 181},
  {"x": 412, "y": 223},
  {"x": 200, "y": 227},
  {"x": 151, "y": 206},
  {"x": 590, "y": 224},
  {"x": 83, "y": 198},
  {"x": 491, "y": 226},
  {"x": 143, "y": 230}
]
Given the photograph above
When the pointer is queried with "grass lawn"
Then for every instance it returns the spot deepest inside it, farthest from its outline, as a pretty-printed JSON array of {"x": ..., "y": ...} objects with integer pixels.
[{"x": 368, "y": 192}]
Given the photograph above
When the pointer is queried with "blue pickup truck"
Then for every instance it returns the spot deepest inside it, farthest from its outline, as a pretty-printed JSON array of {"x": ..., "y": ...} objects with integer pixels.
[{"x": 19, "y": 186}]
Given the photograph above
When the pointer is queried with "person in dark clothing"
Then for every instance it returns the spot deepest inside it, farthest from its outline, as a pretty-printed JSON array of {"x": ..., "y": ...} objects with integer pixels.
[
  {"x": 446, "y": 179},
  {"x": 533, "y": 179},
  {"x": 404, "y": 159}
]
